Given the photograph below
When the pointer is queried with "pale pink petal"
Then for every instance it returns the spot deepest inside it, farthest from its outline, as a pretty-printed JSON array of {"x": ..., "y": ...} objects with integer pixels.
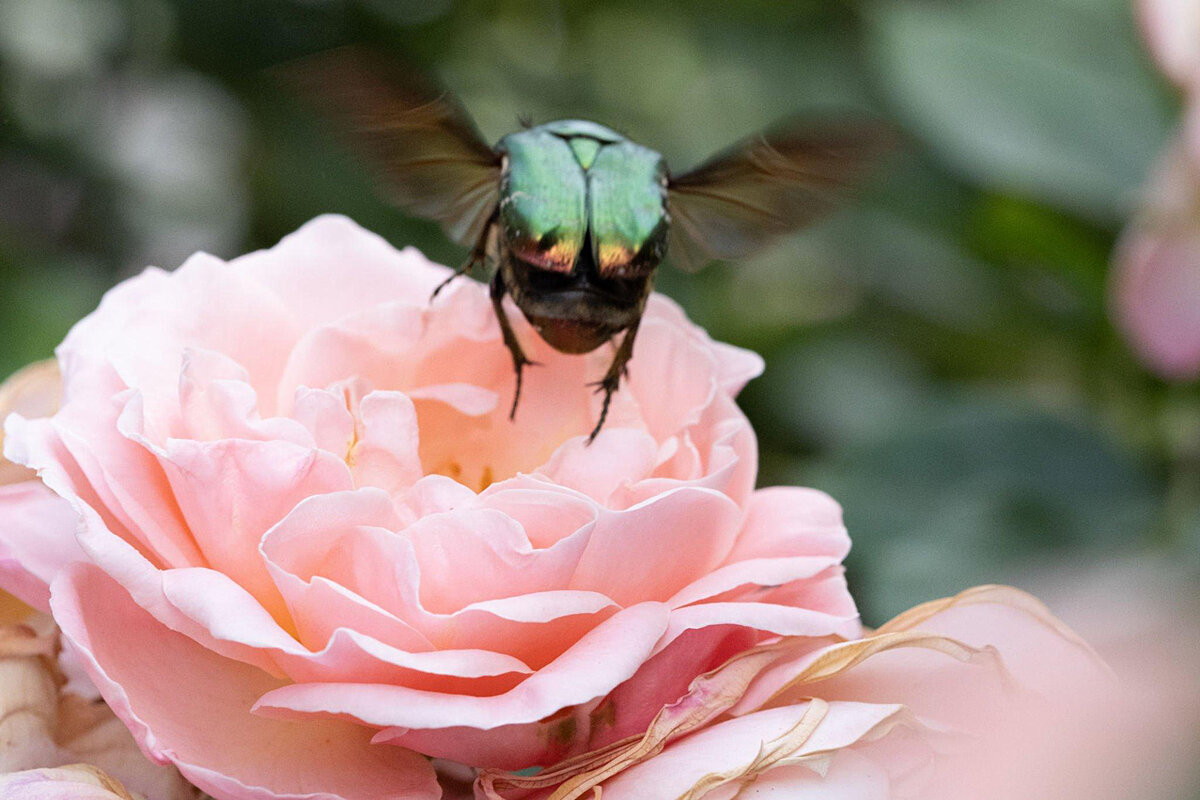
[
  {"x": 547, "y": 512},
  {"x": 606, "y": 656},
  {"x": 720, "y": 453},
  {"x": 757, "y": 572},
  {"x": 617, "y": 457},
  {"x": 735, "y": 365},
  {"x": 83, "y": 449},
  {"x": 370, "y": 346},
  {"x": 229, "y": 614},
  {"x": 791, "y": 521},
  {"x": 664, "y": 680},
  {"x": 386, "y": 454},
  {"x": 205, "y": 304},
  {"x": 148, "y": 585},
  {"x": 784, "y": 620},
  {"x": 678, "y": 536},
  {"x": 509, "y": 747},
  {"x": 231, "y": 492},
  {"x": 465, "y": 398},
  {"x": 300, "y": 271},
  {"x": 37, "y": 539},
  {"x": 669, "y": 363},
  {"x": 734, "y": 746},
  {"x": 327, "y": 417},
  {"x": 126, "y": 653},
  {"x": 217, "y": 402}
]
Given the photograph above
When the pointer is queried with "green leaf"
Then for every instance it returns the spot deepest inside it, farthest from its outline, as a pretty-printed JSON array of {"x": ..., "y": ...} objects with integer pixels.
[
  {"x": 1049, "y": 98},
  {"x": 981, "y": 491}
]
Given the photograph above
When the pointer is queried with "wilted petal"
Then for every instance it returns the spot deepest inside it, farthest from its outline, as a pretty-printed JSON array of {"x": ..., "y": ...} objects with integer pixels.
[
  {"x": 74, "y": 782},
  {"x": 31, "y": 392},
  {"x": 28, "y": 699}
]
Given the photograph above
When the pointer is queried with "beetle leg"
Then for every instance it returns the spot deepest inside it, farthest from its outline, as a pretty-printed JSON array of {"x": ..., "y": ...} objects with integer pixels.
[
  {"x": 478, "y": 255},
  {"x": 612, "y": 379},
  {"x": 520, "y": 360}
]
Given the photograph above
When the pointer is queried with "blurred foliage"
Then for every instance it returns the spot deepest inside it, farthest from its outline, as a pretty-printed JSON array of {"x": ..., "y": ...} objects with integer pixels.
[{"x": 939, "y": 357}]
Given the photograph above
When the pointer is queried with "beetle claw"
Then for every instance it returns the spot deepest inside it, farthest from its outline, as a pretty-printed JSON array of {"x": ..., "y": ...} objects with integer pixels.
[{"x": 519, "y": 364}]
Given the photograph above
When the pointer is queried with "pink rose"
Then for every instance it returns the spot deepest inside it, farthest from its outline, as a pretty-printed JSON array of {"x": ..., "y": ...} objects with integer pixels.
[{"x": 301, "y": 547}]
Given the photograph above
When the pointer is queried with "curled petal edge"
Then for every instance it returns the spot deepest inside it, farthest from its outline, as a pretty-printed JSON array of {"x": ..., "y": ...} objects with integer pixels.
[{"x": 722, "y": 692}]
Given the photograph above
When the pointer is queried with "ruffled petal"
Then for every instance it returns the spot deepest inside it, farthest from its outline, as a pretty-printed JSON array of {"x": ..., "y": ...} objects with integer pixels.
[{"x": 127, "y": 654}]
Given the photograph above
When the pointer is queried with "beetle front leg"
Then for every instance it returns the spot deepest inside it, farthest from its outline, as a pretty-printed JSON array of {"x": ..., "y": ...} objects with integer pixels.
[
  {"x": 520, "y": 360},
  {"x": 478, "y": 255},
  {"x": 612, "y": 379}
]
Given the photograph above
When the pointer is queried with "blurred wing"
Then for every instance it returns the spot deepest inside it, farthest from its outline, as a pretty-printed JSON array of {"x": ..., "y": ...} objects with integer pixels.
[
  {"x": 767, "y": 186},
  {"x": 435, "y": 163}
]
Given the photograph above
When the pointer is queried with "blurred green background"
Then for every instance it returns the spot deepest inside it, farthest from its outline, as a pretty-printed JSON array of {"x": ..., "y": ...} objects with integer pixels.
[{"x": 940, "y": 356}]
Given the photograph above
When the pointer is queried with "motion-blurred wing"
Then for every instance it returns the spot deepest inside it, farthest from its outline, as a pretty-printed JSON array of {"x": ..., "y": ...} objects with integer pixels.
[
  {"x": 767, "y": 186},
  {"x": 435, "y": 163}
]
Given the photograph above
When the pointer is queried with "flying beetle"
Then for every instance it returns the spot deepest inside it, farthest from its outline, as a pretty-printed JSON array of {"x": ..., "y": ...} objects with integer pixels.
[{"x": 573, "y": 217}]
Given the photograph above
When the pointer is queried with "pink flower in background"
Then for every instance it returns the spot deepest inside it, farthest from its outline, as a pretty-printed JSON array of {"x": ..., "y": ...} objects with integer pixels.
[
  {"x": 1157, "y": 263},
  {"x": 300, "y": 546},
  {"x": 1172, "y": 30},
  {"x": 1157, "y": 278}
]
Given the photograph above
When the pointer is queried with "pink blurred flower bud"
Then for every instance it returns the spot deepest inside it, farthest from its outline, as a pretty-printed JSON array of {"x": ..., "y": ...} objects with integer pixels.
[{"x": 1156, "y": 289}]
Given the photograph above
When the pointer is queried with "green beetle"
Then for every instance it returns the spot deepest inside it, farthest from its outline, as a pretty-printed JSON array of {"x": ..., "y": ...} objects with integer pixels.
[{"x": 574, "y": 217}]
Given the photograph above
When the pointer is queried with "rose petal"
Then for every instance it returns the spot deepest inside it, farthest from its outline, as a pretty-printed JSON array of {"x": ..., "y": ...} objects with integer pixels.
[
  {"x": 126, "y": 653},
  {"x": 37, "y": 539},
  {"x": 605, "y": 657},
  {"x": 734, "y": 746}
]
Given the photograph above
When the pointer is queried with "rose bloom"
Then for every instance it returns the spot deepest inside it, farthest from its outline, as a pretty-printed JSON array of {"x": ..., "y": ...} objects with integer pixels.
[{"x": 298, "y": 545}]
